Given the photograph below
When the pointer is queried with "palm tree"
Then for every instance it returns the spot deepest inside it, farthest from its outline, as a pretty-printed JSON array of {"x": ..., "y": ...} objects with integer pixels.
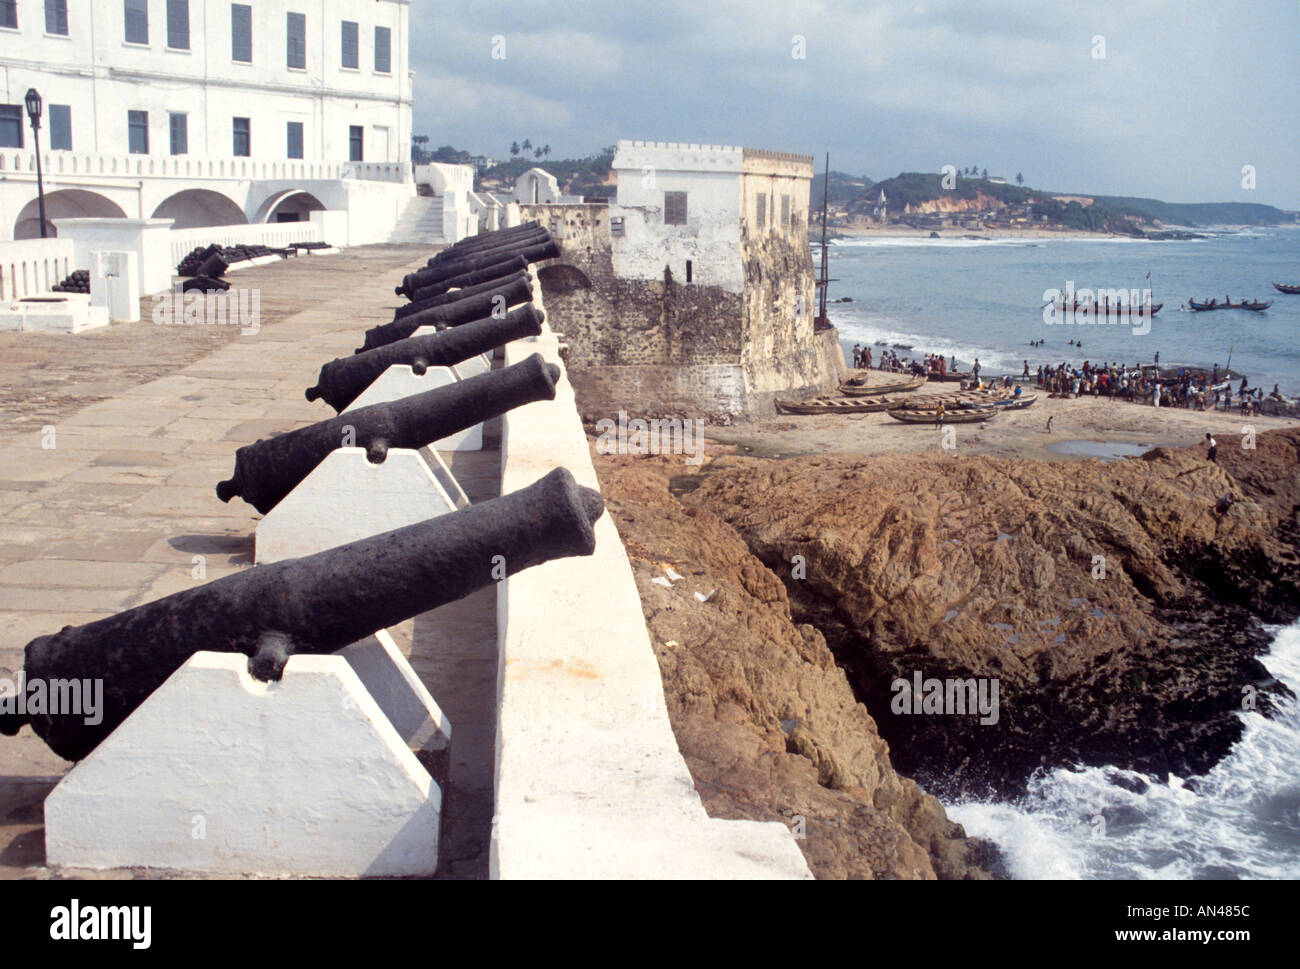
[
  {"x": 537, "y": 153},
  {"x": 986, "y": 174},
  {"x": 528, "y": 145},
  {"x": 514, "y": 147},
  {"x": 1020, "y": 179},
  {"x": 546, "y": 151}
]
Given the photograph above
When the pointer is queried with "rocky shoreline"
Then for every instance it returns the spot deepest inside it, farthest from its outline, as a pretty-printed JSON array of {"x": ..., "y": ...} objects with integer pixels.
[{"x": 1119, "y": 606}]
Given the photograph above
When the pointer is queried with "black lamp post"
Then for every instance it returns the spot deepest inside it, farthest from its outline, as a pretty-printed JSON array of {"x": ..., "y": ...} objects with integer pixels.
[{"x": 34, "y": 112}]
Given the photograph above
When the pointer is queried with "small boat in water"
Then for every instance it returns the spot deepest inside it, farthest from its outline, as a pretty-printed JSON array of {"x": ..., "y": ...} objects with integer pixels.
[
  {"x": 1284, "y": 288},
  {"x": 959, "y": 416},
  {"x": 1101, "y": 309},
  {"x": 1254, "y": 306},
  {"x": 851, "y": 389}
]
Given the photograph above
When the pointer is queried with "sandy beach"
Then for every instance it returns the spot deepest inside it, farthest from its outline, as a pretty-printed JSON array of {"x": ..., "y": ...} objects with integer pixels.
[{"x": 1019, "y": 433}]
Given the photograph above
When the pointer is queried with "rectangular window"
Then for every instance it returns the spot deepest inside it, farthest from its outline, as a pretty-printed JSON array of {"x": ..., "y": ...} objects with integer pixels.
[
  {"x": 761, "y": 209},
  {"x": 9, "y": 14},
  {"x": 137, "y": 21},
  {"x": 616, "y": 226},
  {"x": 674, "y": 208},
  {"x": 11, "y": 125},
  {"x": 383, "y": 50},
  {"x": 241, "y": 33},
  {"x": 356, "y": 136},
  {"x": 178, "y": 24},
  {"x": 180, "y": 131},
  {"x": 243, "y": 140},
  {"x": 137, "y": 132},
  {"x": 295, "y": 139},
  {"x": 297, "y": 40},
  {"x": 785, "y": 210},
  {"x": 61, "y": 127},
  {"x": 350, "y": 44},
  {"x": 56, "y": 17}
]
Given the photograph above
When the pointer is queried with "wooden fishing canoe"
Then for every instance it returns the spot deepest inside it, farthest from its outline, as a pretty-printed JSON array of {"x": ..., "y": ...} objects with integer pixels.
[
  {"x": 859, "y": 390},
  {"x": 958, "y": 416}
]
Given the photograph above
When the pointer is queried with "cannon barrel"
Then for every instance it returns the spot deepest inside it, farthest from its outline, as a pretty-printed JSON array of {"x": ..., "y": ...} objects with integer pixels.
[
  {"x": 494, "y": 302},
  {"x": 492, "y": 272},
  {"x": 493, "y": 253},
  {"x": 534, "y": 238},
  {"x": 316, "y": 604},
  {"x": 468, "y": 264},
  {"x": 492, "y": 240},
  {"x": 269, "y": 469},
  {"x": 343, "y": 380},
  {"x": 486, "y": 240},
  {"x": 455, "y": 296}
]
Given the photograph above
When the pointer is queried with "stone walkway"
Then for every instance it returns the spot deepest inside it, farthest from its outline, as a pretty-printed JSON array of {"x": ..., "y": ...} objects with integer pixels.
[{"x": 112, "y": 444}]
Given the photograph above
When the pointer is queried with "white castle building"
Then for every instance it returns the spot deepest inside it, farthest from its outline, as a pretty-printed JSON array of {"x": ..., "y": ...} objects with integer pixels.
[{"x": 212, "y": 113}]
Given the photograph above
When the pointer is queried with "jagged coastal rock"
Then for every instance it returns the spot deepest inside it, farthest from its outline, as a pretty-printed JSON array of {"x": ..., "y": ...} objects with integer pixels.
[
  {"x": 766, "y": 720},
  {"x": 1117, "y": 604}
]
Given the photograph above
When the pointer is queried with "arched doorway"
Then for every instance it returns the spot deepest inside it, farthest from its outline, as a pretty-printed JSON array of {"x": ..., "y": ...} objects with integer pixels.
[
  {"x": 64, "y": 203},
  {"x": 291, "y": 205},
  {"x": 198, "y": 207}
]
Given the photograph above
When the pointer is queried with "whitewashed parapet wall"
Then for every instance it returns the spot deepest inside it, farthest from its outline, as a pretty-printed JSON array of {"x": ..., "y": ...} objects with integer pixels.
[
  {"x": 34, "y": 266},
  {"x": 590, "y": 782}
]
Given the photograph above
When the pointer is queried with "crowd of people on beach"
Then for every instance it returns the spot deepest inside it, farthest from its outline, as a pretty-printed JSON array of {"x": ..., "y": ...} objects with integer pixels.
[{"x": 1191, "y": 389}]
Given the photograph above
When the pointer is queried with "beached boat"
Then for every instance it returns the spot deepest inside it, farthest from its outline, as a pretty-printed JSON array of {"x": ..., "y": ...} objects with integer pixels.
[
  {"x": 1254, "y": 307},
  {"x": 949, "y": 376},
  {"x": 835, "y": 405},
  {"x": 958, "y": 416},
  {"x": 851, "y": 389},
  {"x": 1284, "y": 288}
]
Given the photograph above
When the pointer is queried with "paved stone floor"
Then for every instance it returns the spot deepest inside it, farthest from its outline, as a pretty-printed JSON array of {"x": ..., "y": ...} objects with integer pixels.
[{"x": 111, "y": 444}]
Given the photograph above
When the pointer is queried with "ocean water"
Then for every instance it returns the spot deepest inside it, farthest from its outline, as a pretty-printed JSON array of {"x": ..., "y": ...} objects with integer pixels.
[
  {"x": 984, "y": 299},
  {"x": 1240, "y": 820}
]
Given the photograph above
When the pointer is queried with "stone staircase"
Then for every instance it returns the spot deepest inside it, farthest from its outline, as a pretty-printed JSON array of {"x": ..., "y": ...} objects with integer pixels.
[{"x": 421, "y": 221}]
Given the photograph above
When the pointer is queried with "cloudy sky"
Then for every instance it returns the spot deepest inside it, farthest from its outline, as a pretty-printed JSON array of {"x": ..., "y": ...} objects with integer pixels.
[{"x": 1186, "y": 94}]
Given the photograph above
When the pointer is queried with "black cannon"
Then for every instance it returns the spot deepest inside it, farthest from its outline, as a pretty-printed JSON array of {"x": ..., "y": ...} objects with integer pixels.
[
  {"x": 534, "y": 238},
  {"x": 468, "y": 264},
  {"x": 455, "y": 296},
  {"x": 488, "y": 240},
  {"x": 268, "y": 470},
  {"x": 491, "y": 303},
  {"x": 493, "y": 272},
  {"x": 316, "y": 604},
  {"x": 343, "y": 380}
]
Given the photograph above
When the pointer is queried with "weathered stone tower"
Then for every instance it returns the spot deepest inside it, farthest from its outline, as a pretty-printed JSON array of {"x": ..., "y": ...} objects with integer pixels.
[{"x": 693, "y": 295}]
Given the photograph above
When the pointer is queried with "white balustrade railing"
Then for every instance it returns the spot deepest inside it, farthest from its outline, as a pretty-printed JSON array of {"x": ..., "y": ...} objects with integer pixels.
[
  {"x": 29, "y": 267},
  {"x": 273, "y": 234},
  {"x": 69, "y": 163}
]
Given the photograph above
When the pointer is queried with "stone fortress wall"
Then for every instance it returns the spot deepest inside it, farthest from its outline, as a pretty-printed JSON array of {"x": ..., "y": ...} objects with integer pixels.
[{"x": 712, "y": 318}]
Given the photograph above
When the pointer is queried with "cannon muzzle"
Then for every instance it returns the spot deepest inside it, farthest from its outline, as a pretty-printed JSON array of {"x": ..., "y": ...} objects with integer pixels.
[
  {"x": 268, "y": 470},
  {"x": 316, "y": 604},
  {"x": 343, "y": 380}
]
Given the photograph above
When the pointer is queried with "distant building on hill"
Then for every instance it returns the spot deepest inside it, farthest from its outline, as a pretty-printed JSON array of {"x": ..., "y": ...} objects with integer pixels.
[{"x": 692, "y": 293}]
